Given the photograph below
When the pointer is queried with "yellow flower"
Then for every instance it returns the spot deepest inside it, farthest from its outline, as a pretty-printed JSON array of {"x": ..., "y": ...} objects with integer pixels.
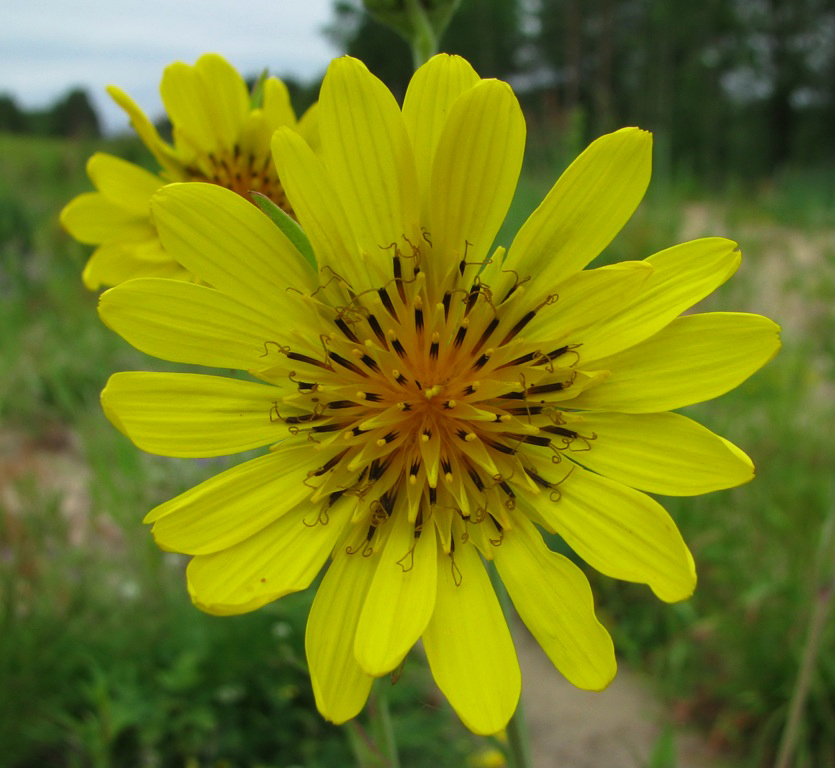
[
  {"x": 430, "y": 406},
  {"x": 219, "y": 136}
]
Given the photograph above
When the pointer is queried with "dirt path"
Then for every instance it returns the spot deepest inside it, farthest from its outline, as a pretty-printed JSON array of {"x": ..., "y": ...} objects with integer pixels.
[{"x": 617, "y": 728}]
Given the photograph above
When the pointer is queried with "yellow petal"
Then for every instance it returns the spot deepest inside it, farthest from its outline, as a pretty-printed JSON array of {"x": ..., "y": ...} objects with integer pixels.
[
  {"x": 92, "y": 218},
  {"x": 681, "y": 276},
  {"x": 125, "y": 184},
  {"x": 553, "y": 598},
  {"x": 226, "y": 241},
  {"x": 580, "y": 216},
  {"x": 695, "y": 358},
  {"x": 207, "y": 103},
  {"x": 234, "y": 505},
  {"x": 622, "y": 533},
  {"x": 319, "y": 210},
  {"x": 162, "y": 151},
  {"x": 474, "y": 172},
  {"x": 400, "y": 599},
  {"x": 432, "y": 91},
  {"x": 369, "y": 156},
  {"x": 468, "y": 644},
  {"x": 189, "y": 323},
  {"x": 277, "y": 107},
  {"x": 189, "y": 414},
  {"x": 340, "y": 685},
  {"x": 282, "y": 558},
  {"x": 117, "y": 262},
  {"x": 586, "y": 299},
  {"x": 662, "y": 453}
]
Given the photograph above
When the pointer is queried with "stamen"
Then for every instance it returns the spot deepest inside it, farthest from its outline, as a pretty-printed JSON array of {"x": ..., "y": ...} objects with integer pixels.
[
  {"x": 378, "y": 331},
  {"x": 462, "y": 332},
  {"x": 309, "y": 360},
  {"x": 491, "y": 326},
  {"x": 447, "y": 298},
  {"x": 343, "y": 326},
  {"x": 339, "y": 360},
  {"x": 384, "y": 297},
  {"x": 526, "y": 318}
]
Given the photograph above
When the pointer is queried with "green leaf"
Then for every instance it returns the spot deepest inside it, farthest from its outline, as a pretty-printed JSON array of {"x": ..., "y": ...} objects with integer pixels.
[{"x": 288, "y": 225}]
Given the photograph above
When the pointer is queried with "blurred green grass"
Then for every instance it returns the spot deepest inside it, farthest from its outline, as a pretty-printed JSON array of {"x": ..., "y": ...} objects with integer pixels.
[{"x": 105, "y": 663}]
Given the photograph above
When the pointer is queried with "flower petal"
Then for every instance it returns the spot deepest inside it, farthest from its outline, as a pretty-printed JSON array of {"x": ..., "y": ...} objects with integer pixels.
[
  {"x": 189, "y": 323},
  {"x": 369, "y": 156},
  {"x": 474, "y": 172},
  {"x": 127, "y": 185},
  {"x": 234, "y": 505},
  {"x": 92, "y": 218},
  {"x": 207, "y": 103},
  {"x": 340, "y": 685},
  {"x": 553, "y": 598},
  {"x": 432, "y": 91},
  {"x": 587, "y": 298},
  {"x": 622, "y": 533},
  {"x": 226, "y": 241},
  {"x": 662, "y": 453},
  {"x": 146, "y": 130},
  {"x": 468, "y": 644},
  {"x": 695, "y": 358},
  {"x": 681, "y": 276},
  {"x": 401, "y": 597},
  {"x": 114, "y": 263},
  {"x": 282, "y": 558},
  {"x": 319, "y": 210},
  {"x": 190, "y": 414},
  {"x": 582, "y": 213}
]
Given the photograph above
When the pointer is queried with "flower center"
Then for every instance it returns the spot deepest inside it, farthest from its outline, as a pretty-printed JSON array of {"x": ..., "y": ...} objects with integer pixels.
[
  {"x": 432, "y": 405},
  {"x": 243, "y": 172}
]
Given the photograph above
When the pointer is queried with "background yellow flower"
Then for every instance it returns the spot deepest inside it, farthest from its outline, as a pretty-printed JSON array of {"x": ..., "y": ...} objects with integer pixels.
[{"x": 221, "y": 134}]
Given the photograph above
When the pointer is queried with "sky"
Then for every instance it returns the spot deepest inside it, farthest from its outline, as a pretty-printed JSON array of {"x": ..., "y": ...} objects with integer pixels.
[{"x": 48, "y": 47}]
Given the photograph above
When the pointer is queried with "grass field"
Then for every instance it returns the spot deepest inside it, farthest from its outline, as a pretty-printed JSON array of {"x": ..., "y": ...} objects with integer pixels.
[{"x": 104, "y": 662}]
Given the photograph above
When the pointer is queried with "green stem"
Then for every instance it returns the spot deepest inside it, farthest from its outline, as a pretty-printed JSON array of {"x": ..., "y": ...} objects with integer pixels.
[
  {"x": 518, "y": 741},
  {"x": 424, "y": 40},
  {"x": 824, "y": 592},
  {"x": 375, "y": 747}
]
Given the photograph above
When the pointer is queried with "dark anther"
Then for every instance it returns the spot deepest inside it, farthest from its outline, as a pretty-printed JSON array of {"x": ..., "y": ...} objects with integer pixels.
[
  {"x": 508, "y": 490},
  {"x": 459, "y": 337},
  {"x": 481, "y": 362},
  {"x": 309, "y": 360},
  {"x": 433, "y": 350},
  {"x": 476, "y": 478},
  {"x": 334, "y": 497},
  {"x": 532, "y": 439},
  {"x": 446, "y": 466},
  {"x": 378, "y": 331},
  {"x": 339, "y": 360},
  {"x": 302, "y": 419},
  {"x": 372, "y": 397},
  {"x": 512, "y": 396},
  {"x": 328, "y": 465},
  {"x": 496, "y": 522},
  {"x": 433, "y": 496},
  {"x": 336, "y": 404},
  {"x": 415, "y": 468},
  {"x": 522, "y": 360},
  {"x": 377, "y": 469},
  {"x": 387, "y": 502},
  {"x": 532, "y": 410},
  {"x": 561, "y": 431},
  {"x": 401, "y": 379},
  {"x": 356, "y": 431},
  {"x": 447, "y": 405},
  {"x": 428, "y": 433},
  {"x": 500, "y": 447},
  {"x": 552, "y": 355},
  {"x": 328, "y": 427},
  {"x": 491, "y": 326},
  {"x": 469, "y": 389},
  {"x": 419, "y": 319},
  {"x": 387, "y": 302},
  {"x": 306, "y": 385},
  {"x": 472, "y": 296},
  {"x": 526, "y": 318},
  {"x": 540, "y": 389},
  {"x": 390, "y": 436},
  {"x": 398, "y": 347},
  {"x": 370, "y": 362},
  {"x": 462, "y": 266},
  {"x": 446, "y": 300},
  {"x": 398, "y": 277},
  {"x": 343, "y": 326},
  {"x": 462, "y": 433},
  {"x": 540, "y": 481}
]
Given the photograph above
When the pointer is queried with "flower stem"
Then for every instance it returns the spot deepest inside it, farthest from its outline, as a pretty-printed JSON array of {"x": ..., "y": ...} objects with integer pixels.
[
  {"x": 518, "y": 741},
  {"x": 375, "y": 747},
  {"x": 424, "y": 40},
  {"x": 824, "y": 592}
]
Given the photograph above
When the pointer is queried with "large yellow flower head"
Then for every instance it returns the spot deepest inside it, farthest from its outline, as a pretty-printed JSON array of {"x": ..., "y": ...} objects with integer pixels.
[
  {"x": 219, "y": 135},
  {"x": 431, "y": 405}
]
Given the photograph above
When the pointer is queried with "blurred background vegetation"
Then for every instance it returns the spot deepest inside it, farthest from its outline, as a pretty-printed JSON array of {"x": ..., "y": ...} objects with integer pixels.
[{"x": 103, "y": 661}]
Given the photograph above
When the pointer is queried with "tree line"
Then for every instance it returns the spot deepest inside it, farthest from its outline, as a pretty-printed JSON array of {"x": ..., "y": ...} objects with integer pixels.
[
  {"x": 739, "y": 87},
  {"x": 71, "y": 115}
]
